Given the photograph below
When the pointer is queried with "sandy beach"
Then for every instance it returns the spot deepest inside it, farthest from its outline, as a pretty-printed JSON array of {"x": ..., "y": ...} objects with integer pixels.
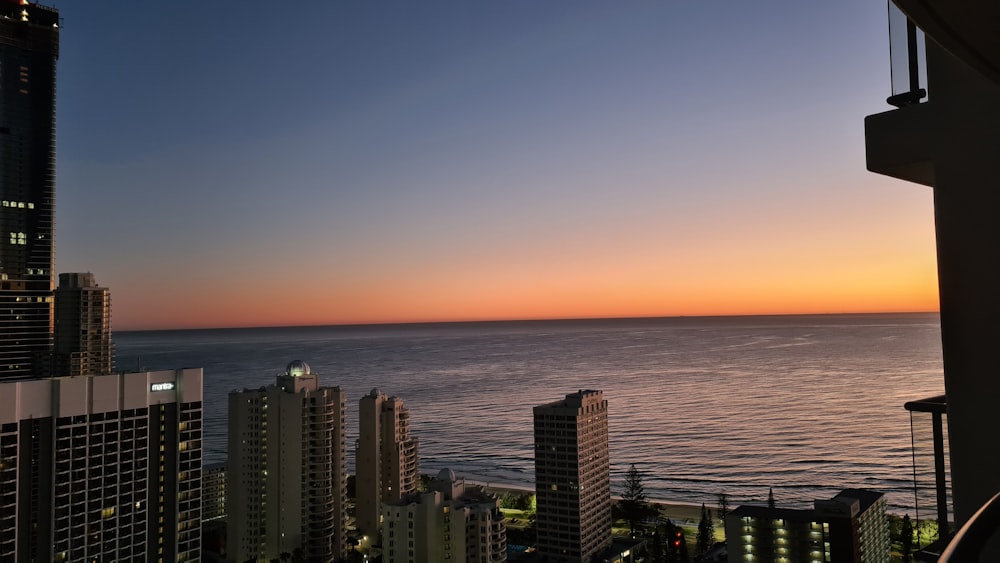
[{"x": 685, "y": 514}]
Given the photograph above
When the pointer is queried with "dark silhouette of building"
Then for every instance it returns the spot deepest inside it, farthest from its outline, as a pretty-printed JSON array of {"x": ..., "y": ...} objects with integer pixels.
[
  {"x": 82, "y": 342},
  {"x": 29, "y": 47},
  {"x": 849, "y": 528},
  {"x": 573, "y": 478},
  {"x": 945, "y": 133}
]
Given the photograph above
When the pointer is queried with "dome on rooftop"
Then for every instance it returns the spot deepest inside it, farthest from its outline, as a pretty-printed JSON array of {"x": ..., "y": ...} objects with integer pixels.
[
  {"x": 446, "y": 475},
  {"x": 297, "y": 368}
]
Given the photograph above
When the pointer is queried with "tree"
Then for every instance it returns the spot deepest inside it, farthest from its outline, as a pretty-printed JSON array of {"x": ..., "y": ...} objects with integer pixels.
[
  {"x": 705, "y": 531},
  {"x": 657, "y": 548},
  {"x": 527, "y": 503},
  {"x": 906, "y": 540},
  {"x": 680, "y": 554},
  {"x": 633, "y": 504},
  {"x": 770, "y": 497},
  {"x": 676, "y": 546},
  {"x": 723, "y": 508}
]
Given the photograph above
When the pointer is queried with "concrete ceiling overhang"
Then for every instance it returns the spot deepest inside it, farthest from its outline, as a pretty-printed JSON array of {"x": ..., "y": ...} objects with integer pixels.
[{"x": 968, "y": 29}]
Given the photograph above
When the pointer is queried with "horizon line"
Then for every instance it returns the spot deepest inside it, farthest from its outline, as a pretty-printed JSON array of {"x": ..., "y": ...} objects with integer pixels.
[{"x": 527, "y": 320}]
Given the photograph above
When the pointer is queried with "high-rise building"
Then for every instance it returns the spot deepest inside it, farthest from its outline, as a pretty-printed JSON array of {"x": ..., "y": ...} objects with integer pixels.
[
  {"x": 213, "y": 491},
  {"x": 101, "y": 468},
  {"x": 286, "y": 476},
  {"x": 82, "y": 343},
  {"x": 386, "y": 458},
  {"x": 29, "y": 47},
  {"x": 573, "y": 477},
  {"x": 447, "y": 523},
  {"x": 849, "y": 528}
]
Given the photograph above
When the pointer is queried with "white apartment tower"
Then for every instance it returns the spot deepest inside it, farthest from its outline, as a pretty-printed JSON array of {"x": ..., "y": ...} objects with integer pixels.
[
  {"x": 101, "y": 468},
  {"x": 446, "y": 523},
  {"x": 573, "y": 477},
  {"x": 286, "y": 472},
  {"x": 386, "y": 458}
]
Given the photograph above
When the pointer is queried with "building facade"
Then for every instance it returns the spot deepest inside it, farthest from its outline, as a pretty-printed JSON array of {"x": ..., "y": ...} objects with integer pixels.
[
  {"x": 849, "y": 528},
  {"x": 446, "y": 523},
  {"x": 101, "y": 468},
  {"x": 29, "y": 47},
  {"x": 573, "y": 477},
  {"x": 386, "y": 461},
  {"x": 82, "y": 343},
  {"x": 286, "y": 474},
  {"x": 213, "y": 492}
]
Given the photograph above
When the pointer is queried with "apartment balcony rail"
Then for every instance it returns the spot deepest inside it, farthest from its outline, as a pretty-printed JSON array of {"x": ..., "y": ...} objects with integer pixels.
[
  {"x": 977, "y": 533},
  {"x": 931, "y": 475},
  {"x": 907, "y": 60}
]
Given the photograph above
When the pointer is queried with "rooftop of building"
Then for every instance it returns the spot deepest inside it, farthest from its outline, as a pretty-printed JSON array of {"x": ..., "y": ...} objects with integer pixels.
[
  {"x": 577, "y": 400},
  {"x": 28, "y": 12},
  {"x": 776, "y": 513},
  {"x": 865, "y": 498}
]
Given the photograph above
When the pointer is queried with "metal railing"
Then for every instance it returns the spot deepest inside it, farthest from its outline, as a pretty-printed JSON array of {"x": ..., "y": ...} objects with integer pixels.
[
  {"x": 907, "y": 60},
  {"x": 969, "y": 542}
]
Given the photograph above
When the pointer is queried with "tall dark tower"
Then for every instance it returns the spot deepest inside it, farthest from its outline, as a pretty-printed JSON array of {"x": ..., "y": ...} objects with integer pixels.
[
  {"x": 29, "y": 47},
  {"x": 573, "y": 478}
]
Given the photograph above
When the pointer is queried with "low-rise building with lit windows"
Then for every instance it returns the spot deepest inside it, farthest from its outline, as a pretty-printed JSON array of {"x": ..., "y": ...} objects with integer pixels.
[{"x": 849, "y": 528}]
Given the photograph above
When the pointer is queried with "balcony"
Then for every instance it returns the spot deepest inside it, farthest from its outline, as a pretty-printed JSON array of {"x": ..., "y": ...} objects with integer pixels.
[
  {"x": 931, "y": 477},
  {"x": 898, "y": 142}
]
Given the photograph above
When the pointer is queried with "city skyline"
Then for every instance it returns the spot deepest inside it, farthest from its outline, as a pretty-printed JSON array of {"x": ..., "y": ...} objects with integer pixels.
[{"x": 439, "y": 162}]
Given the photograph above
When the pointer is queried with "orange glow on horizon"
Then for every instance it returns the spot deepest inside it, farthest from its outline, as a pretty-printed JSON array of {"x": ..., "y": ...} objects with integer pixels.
[{"x": 544, "y": 299}]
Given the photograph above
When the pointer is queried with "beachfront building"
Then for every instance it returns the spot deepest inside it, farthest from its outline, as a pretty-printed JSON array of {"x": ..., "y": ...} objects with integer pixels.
[
  {"x": 101, "y": 468},
  {"x": 82, "y": 342},
  {"x": 573, "y": 477},
  {"x": 286, "y": 473},
  {"x": 385, "y": 458},
  {"x": 446, "y": 523},
  {"x": 849, "y": 528},
  {"x": 29, "y": 47}
]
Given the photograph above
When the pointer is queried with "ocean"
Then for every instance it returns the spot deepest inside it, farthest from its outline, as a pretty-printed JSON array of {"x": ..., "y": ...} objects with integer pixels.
[{"x": 806, "y": 405}]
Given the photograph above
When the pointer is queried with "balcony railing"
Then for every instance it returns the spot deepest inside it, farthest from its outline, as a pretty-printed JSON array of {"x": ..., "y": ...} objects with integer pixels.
[
  {"x": 907, "y": 60},
  {"x": 931, "y": 477},
  {"x": 969, "y": 543}
]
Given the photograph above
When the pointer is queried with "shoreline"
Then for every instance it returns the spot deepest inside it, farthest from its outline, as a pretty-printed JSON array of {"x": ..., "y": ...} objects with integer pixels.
[{"x": 681, "y": 513}]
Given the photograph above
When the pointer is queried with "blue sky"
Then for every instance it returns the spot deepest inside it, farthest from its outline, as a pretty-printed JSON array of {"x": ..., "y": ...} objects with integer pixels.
[{"x": 250, "y": 163}]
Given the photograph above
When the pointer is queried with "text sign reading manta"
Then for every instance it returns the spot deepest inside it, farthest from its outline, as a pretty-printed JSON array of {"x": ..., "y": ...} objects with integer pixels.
[{"x": 168, "y": 386}]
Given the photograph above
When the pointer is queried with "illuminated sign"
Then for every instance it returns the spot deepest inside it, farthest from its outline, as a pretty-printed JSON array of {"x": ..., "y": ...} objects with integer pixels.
[{"x": 168, "y": 386}]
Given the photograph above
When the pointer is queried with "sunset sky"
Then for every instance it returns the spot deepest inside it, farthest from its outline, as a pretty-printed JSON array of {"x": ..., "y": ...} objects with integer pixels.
[{"x": 258, "y": 163}]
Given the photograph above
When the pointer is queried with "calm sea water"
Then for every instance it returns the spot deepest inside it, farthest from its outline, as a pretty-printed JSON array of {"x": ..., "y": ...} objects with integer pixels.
[{"x": 807, "y": 405}]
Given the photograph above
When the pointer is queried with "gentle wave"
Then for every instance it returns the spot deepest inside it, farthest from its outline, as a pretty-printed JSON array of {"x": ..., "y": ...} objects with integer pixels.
[{"x": 700, "y": 406}]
